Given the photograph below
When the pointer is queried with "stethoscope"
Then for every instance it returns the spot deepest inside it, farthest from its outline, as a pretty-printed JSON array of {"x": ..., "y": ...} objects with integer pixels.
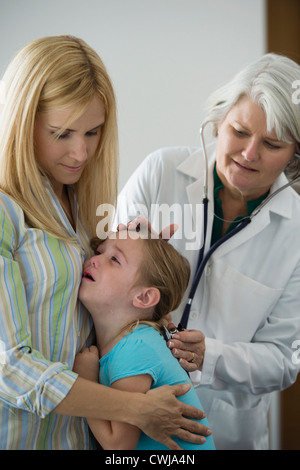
[{"x": 203, "y": 259}]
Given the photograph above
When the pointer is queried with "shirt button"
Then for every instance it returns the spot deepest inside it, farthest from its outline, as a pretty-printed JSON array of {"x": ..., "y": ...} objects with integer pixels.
[{"x": 193, "y": 315}]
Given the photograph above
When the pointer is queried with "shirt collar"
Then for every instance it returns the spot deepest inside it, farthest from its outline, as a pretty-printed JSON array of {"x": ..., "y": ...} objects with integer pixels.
[
  {"x": 251, "y": 205},
  {"x": 193, "y": 166}
]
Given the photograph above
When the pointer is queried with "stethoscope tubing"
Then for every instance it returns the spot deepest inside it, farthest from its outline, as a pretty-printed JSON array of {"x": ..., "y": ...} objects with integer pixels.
[{"x": 202, "y": 260}]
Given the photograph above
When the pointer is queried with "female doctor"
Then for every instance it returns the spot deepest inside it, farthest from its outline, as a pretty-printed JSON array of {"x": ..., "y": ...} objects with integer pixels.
[{"x": 245, "y": 314}]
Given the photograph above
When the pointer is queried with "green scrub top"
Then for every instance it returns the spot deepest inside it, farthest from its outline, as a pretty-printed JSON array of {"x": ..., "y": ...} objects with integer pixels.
[{"x": 218, "y": 222}]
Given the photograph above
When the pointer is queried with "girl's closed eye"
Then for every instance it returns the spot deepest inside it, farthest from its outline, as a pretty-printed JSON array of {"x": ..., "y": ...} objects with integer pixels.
[{"x": 115, "y": 260}]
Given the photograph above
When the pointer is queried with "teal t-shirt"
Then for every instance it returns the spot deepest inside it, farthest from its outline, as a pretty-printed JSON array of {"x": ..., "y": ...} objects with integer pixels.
[
  {"x": 218, "y": 222},
  {"x": 144, "y": 351}
]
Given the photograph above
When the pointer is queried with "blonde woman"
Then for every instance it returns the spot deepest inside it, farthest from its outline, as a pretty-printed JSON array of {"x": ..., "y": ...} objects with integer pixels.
[
  {"x": 58, "y": 162},
  {"x": 129, "y": 287}
]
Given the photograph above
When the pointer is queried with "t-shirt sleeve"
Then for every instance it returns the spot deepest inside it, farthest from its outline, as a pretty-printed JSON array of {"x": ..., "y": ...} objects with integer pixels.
[{"x": 134, "y": 356}]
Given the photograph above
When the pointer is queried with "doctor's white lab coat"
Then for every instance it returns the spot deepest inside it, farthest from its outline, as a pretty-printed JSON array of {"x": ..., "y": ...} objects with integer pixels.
[{"x": 248, "y": 301}]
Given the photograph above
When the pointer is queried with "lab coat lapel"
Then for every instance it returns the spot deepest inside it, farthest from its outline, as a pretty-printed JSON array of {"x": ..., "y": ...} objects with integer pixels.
[
  {"x": 256, "y": 225},
  {"x": 193, "y": 167},
  {"x": 281, "y": 206}
]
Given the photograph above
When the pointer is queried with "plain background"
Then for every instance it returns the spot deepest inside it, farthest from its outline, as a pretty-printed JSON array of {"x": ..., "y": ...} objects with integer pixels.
[{"x": 164, "y": 57}]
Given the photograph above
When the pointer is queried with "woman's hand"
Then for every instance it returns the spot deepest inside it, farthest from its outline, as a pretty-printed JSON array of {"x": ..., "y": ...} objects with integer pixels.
[
  {"x": 188, "y": 347},
  {"x": 86, "y": 364},
  {"x": 162, "y": 416}
]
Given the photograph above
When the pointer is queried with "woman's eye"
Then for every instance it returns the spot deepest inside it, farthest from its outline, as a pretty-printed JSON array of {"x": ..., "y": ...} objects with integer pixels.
[
  {"x": 272, "y": 146},
  {"x": 239, "y": 133},
  {"x": 60, "y": 136},
  {"x": 115, "y": 260},
  {"x": 92, "y": 133}
]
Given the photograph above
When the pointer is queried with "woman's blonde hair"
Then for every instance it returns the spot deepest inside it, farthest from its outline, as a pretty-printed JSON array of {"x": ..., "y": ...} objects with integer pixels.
[{"x": 55, "y": 72}]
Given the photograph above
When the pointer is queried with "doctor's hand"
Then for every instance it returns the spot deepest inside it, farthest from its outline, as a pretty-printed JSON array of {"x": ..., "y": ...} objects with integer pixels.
[
  {"x": 188, "y": 347},
  {"x": 141, "y": 223}
]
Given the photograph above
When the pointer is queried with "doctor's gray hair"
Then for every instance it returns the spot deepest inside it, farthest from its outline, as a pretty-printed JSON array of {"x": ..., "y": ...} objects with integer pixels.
[{"x": 269, "y": 83}]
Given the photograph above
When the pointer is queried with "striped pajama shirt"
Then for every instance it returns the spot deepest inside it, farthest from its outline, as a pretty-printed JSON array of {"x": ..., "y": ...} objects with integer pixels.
[{"x": 42, "y": 327}]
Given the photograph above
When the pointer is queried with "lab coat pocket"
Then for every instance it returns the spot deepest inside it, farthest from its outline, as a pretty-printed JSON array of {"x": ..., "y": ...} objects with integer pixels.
[
  {"x": 239, "y": 305},
  {"x": 238, "y": 428}
]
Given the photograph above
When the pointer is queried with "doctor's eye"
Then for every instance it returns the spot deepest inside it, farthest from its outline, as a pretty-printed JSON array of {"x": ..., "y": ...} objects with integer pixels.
[
  {"x": 272, "y": 146},
  {"x": 239, "y": 133}
]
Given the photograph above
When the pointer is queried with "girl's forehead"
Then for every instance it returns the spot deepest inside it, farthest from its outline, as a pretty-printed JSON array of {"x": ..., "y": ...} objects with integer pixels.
[{"x": 129, "y": 245}]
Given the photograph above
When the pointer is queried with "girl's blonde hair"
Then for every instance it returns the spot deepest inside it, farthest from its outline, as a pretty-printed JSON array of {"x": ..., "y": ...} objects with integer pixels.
[
  {"x": 164, "y": 268},
  {"x": 167, "y": 270},
  {"x": 55, "y": 72}
]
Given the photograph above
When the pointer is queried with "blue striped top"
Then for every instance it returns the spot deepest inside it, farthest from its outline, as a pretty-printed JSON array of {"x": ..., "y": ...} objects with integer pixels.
[{"x": 42, "y": 327}]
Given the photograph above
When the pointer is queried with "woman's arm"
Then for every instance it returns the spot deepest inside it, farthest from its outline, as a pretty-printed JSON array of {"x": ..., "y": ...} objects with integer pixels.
[{"x": 158, "y": 413}]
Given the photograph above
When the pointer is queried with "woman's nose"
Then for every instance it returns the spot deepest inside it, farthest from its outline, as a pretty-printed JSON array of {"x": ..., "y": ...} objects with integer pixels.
[
  {"x": 78, "y": 150},
  {"x": 251, "y": 151}
]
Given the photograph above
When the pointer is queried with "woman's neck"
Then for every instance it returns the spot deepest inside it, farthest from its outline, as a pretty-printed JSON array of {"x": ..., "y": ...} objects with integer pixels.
[{"x": 232, "y": 207}]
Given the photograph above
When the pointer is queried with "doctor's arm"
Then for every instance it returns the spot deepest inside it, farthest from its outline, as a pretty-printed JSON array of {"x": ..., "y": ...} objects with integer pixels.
[{"x": 267, "y": 363}]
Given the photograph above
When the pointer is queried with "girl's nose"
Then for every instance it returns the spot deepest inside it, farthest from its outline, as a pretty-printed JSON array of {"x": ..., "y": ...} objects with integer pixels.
[{"x": 95, "y": 261}]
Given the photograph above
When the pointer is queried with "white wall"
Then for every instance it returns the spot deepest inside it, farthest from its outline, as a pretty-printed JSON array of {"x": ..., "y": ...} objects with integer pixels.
[{"x": 164, "y": 56}]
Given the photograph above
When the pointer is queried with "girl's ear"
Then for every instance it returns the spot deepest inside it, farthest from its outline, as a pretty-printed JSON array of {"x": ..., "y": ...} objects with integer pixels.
[{"x": 147, "y": 297}]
